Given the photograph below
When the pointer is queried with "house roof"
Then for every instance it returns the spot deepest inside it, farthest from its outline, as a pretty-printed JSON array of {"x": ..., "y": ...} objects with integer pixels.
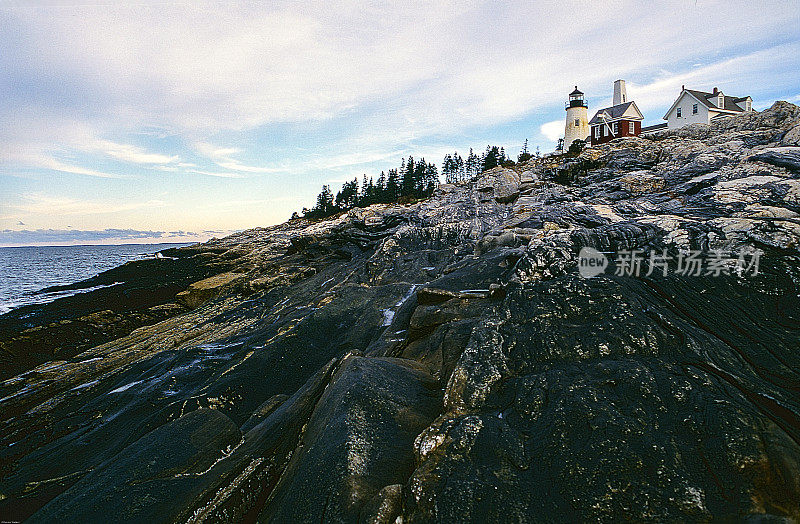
[
  {"x": 654, "y": 128},
  {"x": 628, "y": 109},
  {"x": 705, "y": 98},
  {"x": 729, "y": 101}
]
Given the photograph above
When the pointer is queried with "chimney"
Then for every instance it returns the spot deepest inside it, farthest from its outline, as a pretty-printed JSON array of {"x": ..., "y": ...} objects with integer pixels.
[
  {"x": 620, "y": 96},
  {"x": 683, "y": 87},
  {"x": 715, "y": 91}
]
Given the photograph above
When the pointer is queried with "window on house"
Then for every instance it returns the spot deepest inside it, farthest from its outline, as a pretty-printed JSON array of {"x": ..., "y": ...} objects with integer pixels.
[
  {"x": 597, "y": 132},
  {"x": 631, "y": 128},
  {"x": 614, "y": 128},
  {"x": 577, "y": 123},
  {"x": 747, "y": 105},
  {"x": 679, "y": 113},
  {"x": 694, "y": 109}
]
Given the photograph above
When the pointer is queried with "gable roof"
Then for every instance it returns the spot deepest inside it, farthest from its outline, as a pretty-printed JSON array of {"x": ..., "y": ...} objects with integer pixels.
[
  {"x": 729, "y": 102},
  {"x": 626, "y": 110}
]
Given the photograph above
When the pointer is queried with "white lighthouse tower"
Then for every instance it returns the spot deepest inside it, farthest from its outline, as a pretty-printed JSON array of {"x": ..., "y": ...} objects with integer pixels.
[{"x": 577, "y": 126}]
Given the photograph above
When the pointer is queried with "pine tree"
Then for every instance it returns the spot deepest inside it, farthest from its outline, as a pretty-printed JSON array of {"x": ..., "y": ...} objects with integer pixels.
[
  {"x": 430, "y": 179},
  {"x": 367, "y": 196},
  {"x": 407, "y": 173},
  {"x": 414, "y": 179},
  {"x": 324, "y": 205},
  {"x": 392, "y": 186},
  {"x": 472, "y": 166},
  {"x": 347, "y": 197},
  {"x": 448, "y": 169},
  {"x": 491, "y": 158},
  {"x": 380, "y": 188},
  {"x": 524, "y": 155},
  {"x": 460, "y": 173}
]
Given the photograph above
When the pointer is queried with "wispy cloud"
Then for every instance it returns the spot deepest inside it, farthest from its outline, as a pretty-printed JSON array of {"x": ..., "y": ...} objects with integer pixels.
[
  {"x": 223, "y": 157},
  {"x": 59, "y": 206},
  {"x": 184, "y": 97},
  {"x": 56, "y": 165},
  {"x": 215, "y": 153},
  {"x": 217, "y": 174},
  {"x": 39, "y": 237},
  {"x": 133, "y": 154}
]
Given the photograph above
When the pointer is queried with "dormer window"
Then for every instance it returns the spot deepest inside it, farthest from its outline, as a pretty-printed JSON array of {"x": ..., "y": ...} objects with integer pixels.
[
  {"x": 721, "y": 101},
  {"x": 748, "y": 105}
]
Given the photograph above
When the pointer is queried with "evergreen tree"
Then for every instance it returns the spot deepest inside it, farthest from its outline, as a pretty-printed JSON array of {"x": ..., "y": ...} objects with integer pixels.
[
  {"x": 324, "y": 205},
  {"x": 472, "y": 165},
  {"x": 576, "y": 147},
  {"x": 392, "y": 192},
  {"x": 407, "y": 173},
  {"x": 420, "y": 179},
  {"x": 347, "y": 197},
  {"x": 524, "y": 155},
  {"x": 460, "y": 173},
  {"x": 370, "y": 196},
  {"x": 491, "y": 158},
  {"x": 414, "y": 179},
  {"x": 380, "y": 188},
  {"x": 430, "y": 179},
  {"x": 448, "y": 169}
]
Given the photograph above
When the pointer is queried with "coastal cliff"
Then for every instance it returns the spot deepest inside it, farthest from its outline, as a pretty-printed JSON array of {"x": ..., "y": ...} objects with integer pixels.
[{"x": 443, "y": 360}]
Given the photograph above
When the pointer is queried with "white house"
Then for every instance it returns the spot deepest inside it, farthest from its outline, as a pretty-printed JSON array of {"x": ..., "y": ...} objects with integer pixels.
[{"x": 693, "y": 107}]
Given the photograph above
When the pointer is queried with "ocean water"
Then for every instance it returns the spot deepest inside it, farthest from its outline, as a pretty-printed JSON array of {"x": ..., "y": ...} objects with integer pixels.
[{"x": 25, "y": 270}]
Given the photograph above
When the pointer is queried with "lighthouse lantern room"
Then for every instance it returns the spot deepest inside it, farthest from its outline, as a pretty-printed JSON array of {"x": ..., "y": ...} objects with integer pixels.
[{"x": 577, "y": 125}]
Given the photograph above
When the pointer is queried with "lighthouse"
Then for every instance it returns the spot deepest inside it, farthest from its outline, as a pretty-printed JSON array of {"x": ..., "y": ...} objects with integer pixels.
[{"x": 577, "y": 126}]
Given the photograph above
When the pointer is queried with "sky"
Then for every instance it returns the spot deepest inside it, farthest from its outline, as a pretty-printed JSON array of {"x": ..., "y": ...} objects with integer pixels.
[{"x": 155, "y": 121}]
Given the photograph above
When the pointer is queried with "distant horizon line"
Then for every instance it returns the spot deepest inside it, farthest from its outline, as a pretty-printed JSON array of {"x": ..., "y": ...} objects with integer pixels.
[{"x": 100, "y": 245}]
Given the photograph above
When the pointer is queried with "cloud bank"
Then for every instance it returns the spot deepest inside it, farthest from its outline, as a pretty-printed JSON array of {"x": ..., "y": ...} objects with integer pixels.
[
  {"x": 52, "y": 237},
  {"x": 196, "y": 103}
]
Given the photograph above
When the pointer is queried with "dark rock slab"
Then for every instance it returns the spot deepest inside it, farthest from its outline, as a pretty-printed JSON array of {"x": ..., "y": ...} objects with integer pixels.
[
  {"x": 237, "y": 488},
  {"x": 359, "y": 440},
  {"x": 788, "y": 157},
  {"x": 137, "y": 485}
]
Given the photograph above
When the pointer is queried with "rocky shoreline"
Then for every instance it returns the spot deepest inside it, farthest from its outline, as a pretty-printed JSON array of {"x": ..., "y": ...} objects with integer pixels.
[
  {"x": 135, "y": 294},
  {"x": 440, "y": 361}
]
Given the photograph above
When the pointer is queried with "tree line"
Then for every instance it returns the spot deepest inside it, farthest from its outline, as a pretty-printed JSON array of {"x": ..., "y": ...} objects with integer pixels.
[{"x": 414, "y": 179}]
